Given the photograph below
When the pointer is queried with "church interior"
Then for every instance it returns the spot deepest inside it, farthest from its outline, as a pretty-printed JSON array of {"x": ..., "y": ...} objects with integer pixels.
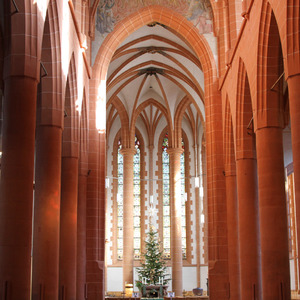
[{"x": 122, "y": 118}]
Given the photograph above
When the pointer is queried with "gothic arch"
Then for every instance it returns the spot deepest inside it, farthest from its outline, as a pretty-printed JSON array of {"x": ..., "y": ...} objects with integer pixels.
[
  {"x": 124, "y": 119},
  {"x": 143, "y": 17},
  {"x": 71, "y": 115},
  {"x": 140, "y": 108},
  {"x": 228, "y": 141},
  {"x": 269, "y": 69},
  {"x": 180, "y": 111},
  {"x": 96, "y": 3},
  {"x": 245, "y": 138},
  {"x": 51, "y": 107},
  {"x": 84, "y": 125}
]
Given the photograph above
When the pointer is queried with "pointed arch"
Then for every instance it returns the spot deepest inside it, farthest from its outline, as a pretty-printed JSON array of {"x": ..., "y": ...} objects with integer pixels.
[
  {"x": 51, "y": 102},
  {"x": 228, "y": 141},
  {"x": 124, "y": 119},
  {"x": 266, "y": 112},
  {"x": 180, "y": 111},
  {"x": 140, "y": 108},
  {"x": 153, "y": 13},
  {"x": 84, "y": 126},
  {"x": 71, "y": 133},
  {"x": 245, "y": 139},
  {"x": 96, "y": 3}
]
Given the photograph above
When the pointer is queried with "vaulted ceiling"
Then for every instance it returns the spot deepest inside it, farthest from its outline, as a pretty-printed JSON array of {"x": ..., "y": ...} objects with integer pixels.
[{"x": 150, "y": 74}]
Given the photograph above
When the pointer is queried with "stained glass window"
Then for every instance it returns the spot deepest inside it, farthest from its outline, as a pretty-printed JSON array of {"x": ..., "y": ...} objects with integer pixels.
[
  {"x": 183, "y": 201},
  {"x": 166, "y": 197},
  {"x": 137, "y": 200},
  {"x": 120, "y": 203}
]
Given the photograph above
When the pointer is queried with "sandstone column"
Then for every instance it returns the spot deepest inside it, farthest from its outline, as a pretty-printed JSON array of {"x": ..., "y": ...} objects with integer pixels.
[
  {"x": 81, "y": 236},
  {"x": 216, "y": 197},
  {"x": 128, "y": 249},
  {"x": 175, "y": 211},
  {"x": 46, "y": 213},
  {"x": 272, "y": 215},
  {"x": 198, "y": 216},
  {"x": 16, "y": 192},
  {"x": 68, "y": 228},
  {"x": 248, "y": 227},
  {"x": 232, "y": 228}
]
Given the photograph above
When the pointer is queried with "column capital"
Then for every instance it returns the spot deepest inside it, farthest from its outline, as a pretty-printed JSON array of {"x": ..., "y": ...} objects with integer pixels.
[
  {"x": 241, "y": 158},
  {"x": 172, "y": 151},
  {"x": 267, "y": 127},
  {"x": 128, "y": 151},
  {"x": 229, "y": 172}
]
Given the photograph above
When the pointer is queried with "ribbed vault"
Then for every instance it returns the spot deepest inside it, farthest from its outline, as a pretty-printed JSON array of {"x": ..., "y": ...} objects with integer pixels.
[{"x": 151, "y": 73}]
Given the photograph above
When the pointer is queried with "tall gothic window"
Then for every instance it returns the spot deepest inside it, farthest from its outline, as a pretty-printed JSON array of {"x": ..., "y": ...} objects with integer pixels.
[
  {"x": 120, "y": 203},
  {"x": 166, "y": 198},
  {"x": 183, "y": 201},
  {"x": 137, "y": 200}
]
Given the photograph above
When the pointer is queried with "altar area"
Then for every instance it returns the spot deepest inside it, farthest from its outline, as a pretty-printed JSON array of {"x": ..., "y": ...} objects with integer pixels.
[
  {"x": 165, "y": 298},
  {"x": 187, "y": 296}
]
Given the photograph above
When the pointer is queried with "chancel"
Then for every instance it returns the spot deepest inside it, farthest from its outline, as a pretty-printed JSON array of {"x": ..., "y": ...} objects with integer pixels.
[{"x": 149, "y": 148}]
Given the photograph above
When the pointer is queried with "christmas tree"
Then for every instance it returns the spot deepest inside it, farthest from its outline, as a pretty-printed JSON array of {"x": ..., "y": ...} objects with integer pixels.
[{"x": 153, "y": 267}]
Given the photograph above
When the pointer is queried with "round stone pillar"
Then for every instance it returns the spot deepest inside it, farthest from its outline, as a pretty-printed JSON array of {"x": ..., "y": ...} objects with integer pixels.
[
  {"x": 275, "y": 273},
  {"x": 294, "y": 96},
  {"x": 128, "y": 249},
  {"x": 81, "y": 236},
  {"x": 233, "y": 245},
  {"x": 45, "y": 268},
  {"x": 175, "y": 211},
  {"x": 248, "y": 228},
  {"x": 68, "y": 228},
  {"x": 16, "y": 191},
  {"x": 198, "y": 235}
]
